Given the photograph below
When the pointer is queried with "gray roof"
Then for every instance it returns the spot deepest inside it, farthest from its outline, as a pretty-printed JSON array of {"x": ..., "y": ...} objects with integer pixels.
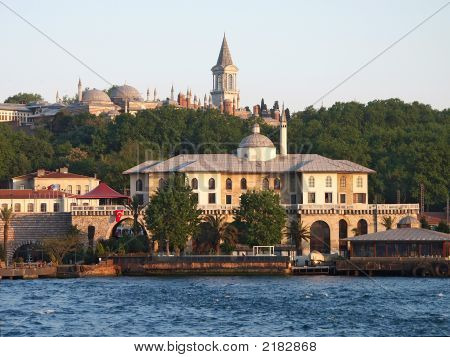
[
  {"x": 403, "y": 234},
  {"x": 141, "y": 167},
  {"x": 231, "y": 163},
  {"x": 13, "y": 106},
  {"x": 126, "y": 92},
  {"x": 95, "y": 95},
  {"x": 224, "y": 58}
]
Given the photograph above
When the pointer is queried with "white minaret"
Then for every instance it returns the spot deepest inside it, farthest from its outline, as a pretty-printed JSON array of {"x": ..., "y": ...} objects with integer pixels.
[
  {"x": 57, "y": 97},
  {"x": 172, "y": 97},
  {"x": 148, "y": 94},
  {"x": 283, "y": 133},
  {"x": 80, "y": 90}
]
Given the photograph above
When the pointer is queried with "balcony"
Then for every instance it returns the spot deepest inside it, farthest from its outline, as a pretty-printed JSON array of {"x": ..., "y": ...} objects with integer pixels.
[{"x": 104, "y": 210}]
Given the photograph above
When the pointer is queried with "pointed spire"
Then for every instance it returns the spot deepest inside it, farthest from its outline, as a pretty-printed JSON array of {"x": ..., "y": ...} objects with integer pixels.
[
  {"x": 283, "y": 114},
  {"x": 171, "y": 93},
  {"x": 148, "y": 94},
  {"x": 57, "y": 97},
  {"x": 154, "y": 95},
  {"x": 80, "y": 90},
  {"x": 224, "y": 58}
]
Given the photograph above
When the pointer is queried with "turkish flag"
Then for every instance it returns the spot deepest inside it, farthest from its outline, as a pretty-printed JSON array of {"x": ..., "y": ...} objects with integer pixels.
[{"x": 118, "y": 213}]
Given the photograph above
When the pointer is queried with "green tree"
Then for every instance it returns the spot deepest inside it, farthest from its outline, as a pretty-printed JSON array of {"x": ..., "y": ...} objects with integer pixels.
[
  {"x": 59, "y": 247},
  {"x": 424, "y": 223},
  {"x": 388, "y": 222},
  {"x": 299, "y": 232},
  {"x": 443, "y": 227},
  {"x": 264, "y": 217},
  {"x": 172, "y": 215},
  {"x": 24, "y": 98},
  {"x": 220, "y": 231},
  {"x": 6, "y": 215}
]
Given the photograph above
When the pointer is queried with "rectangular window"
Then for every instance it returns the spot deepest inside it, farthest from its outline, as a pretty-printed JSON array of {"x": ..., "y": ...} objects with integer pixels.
[
  {"x": 56, "y": 207},
  {"x": 311, "y": 197},
  {"x": 43, "y": 207},
  {"x": 228, "y": 199},
  {"x": 293, "y": 199},
  {"x": 342, "y": 198},
  {"x": 30, "y": 207},
  {"x": 359, "y": 198},
  {"x": 328, "y": 197},
  {"x": 211, "y": 198},
  {"x": 78, "y": 190},
  {"x": 69, "y": 189},
  {"x": 22, "y": 187},
  {"x": 86, "y": 188}
]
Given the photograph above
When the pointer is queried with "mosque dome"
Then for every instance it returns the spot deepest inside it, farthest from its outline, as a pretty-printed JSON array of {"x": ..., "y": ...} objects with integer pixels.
[
  {"x": 126, "y": 92},
  {"x": 95, "y": 95},
  {"x": 256, "y": 140}
]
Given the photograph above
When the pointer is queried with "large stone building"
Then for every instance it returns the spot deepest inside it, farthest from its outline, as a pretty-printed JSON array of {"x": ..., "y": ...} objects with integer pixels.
[{"x": 330, "y": 196}]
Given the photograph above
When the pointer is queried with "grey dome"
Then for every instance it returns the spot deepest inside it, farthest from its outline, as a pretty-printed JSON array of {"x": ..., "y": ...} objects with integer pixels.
[
  {"x": 256, "y": 140},
  {"x": 126, "y": 92},
  {"x": 408, "y": 220},
  {"x": 95, "y": 95}
]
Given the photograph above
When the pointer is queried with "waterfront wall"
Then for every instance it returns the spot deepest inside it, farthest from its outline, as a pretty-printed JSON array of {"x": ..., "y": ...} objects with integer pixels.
[{"x": 202, "y": 265}]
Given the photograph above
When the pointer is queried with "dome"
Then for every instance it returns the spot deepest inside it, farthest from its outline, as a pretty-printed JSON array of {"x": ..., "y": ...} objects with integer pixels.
[
  {"x": 126, "y": 92},
  {"x": 408, "y": 221},
  {"x": 95, "y": 95},
  {"x": 256, "y": 140}
]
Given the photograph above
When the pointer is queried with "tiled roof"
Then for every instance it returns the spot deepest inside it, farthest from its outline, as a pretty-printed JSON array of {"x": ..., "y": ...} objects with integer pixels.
[
  {"x": 231, "y": 163},
  {"x": 23, "y": 194},
  {"x": 13, "y": 106},
  {"x": 403, "y": 234},
  {"x": 102, "y": 191},
  {"x": 51, "y": 175}
]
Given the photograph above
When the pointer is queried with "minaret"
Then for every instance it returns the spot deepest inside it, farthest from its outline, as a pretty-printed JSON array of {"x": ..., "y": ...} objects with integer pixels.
[
  {"x": 205, "y": 103},
  {"x": 171, "y": 93},
  {"x": 148, "y": 94},
  {"x": 224, "y": 76},
  {"x": 80, "y": 90},
  {"x": 283, "y": 133},
  {"x": 188, "y": 99},
  {"x": 154, "y": 95},
  {"x": 57, "y": 97}
]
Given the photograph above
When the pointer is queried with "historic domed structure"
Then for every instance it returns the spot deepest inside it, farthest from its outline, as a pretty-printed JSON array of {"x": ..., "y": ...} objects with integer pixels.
[
  {"x": 95, "y": 95},
  {"x": 126, "y": 92},
  {"x": 256, "y": 147}
]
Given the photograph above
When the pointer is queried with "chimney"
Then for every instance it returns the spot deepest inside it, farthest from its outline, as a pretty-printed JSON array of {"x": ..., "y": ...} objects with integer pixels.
[
  {"x": 40, "y": 172},
  {"x": 64, "y": 170}
]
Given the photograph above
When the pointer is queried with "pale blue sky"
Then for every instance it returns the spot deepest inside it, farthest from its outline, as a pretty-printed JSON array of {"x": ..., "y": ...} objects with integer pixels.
[{"x": 287, "y": 50}]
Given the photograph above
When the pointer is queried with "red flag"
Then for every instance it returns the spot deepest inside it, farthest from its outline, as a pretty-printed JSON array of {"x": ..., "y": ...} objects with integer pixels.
[{"x": 118, "y": 213}]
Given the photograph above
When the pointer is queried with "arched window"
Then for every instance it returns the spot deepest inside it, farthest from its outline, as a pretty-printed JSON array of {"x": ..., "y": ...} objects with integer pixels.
[
  {"x": 17, "y": 207},
  {"x": 194, "y": 184},
  {"x": 328, "y": 181},
  {"x": 277, "y": 184},
  {"x": 265, "y": 183},
  {"x": 361, "y": 227},
  {"x": 230, "y": 81},
  {"x": 161, "y": 183},
  {"x": 359, "y": 182},
  {"x": 228, "y": 184},
  {"x": 139, "y": 185},
  {"x": 343, "y": 182},
  {"x": 30, "y": 207},
  {"x": 243, "y": 184},
  {"x": 211, "y": 184},
  {"x": 43, "y": 207},
  {"x": 311, "y": 181},
  {"x": 219, "y": 82}
]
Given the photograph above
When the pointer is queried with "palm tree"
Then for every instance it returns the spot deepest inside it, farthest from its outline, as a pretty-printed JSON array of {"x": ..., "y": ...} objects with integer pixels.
[
  {"x": 299, "y": 232},
  {"x": 6, "y": 214},
  {"x": 220, "y": 230},
  {"x": 135, "y": 207},
  {"x": 388, "y": 222}
]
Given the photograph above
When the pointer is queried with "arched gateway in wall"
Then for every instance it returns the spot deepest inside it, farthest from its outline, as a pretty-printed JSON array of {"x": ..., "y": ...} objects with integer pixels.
[{"x": 320, "y": 237}]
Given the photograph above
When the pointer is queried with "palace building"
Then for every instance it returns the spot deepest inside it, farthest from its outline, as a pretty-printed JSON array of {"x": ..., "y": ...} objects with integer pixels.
[{"x": 330, "y": 196}]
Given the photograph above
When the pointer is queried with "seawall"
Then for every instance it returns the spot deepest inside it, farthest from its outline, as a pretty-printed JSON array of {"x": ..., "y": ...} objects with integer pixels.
[{"x": 146, "y": 265}]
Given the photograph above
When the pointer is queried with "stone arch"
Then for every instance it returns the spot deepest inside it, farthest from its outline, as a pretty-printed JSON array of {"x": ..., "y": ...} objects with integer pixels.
[
  {"x": 320, "y": 237},
  {"x": 36, "y": 250},
  {"x": 112, "y": 227},
  {"x": 13, "y": 246},
  {"x": 362, "y": 227}
]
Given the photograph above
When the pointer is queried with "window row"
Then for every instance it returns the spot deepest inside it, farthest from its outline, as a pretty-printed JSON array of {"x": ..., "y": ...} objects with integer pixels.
[
  {"x": 329, "y": 181},
  {"x": 30, "y": 207},
  {"x": 243, "y": 184},
  {"x": 357, "y": 197},
  {"x": 69, "y": 189}
]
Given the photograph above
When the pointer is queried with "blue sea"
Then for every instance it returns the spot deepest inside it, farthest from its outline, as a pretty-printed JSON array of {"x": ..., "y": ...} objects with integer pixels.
[{"x": 226, "y": 306}]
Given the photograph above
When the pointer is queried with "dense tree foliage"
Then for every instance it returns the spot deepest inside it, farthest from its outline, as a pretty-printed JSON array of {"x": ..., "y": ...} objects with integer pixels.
[
  {"x": 24, "y": 98},
  {"x": 405, "y": 143},
  {"x": 172, "y": 215},
  {"x": 263, "y": 217}
]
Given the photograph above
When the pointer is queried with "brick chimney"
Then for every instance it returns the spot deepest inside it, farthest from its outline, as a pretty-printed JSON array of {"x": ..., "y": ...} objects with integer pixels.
[{"x": 40, "y": 172}]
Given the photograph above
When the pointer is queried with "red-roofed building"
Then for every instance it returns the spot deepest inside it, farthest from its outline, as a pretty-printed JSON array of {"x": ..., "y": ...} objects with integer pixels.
[
  {"x": 61, "y": 180},
  {"x": 105, "y": 195}
]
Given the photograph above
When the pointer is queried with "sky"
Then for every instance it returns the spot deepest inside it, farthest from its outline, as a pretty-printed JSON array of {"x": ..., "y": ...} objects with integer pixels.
[{"x": 291, "y": 51}]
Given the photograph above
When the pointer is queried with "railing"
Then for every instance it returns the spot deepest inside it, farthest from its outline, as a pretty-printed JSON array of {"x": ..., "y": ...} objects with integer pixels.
[{"x": 103, "y": 210}]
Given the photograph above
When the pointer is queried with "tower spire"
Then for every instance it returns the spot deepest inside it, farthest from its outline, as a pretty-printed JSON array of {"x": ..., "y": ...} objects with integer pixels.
[
  {"x": 224, "y": 58},
  {"x": 171, "y": 93},
  {"x": 80, "y": 90},
  {"x": 283, "y": 132}
]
